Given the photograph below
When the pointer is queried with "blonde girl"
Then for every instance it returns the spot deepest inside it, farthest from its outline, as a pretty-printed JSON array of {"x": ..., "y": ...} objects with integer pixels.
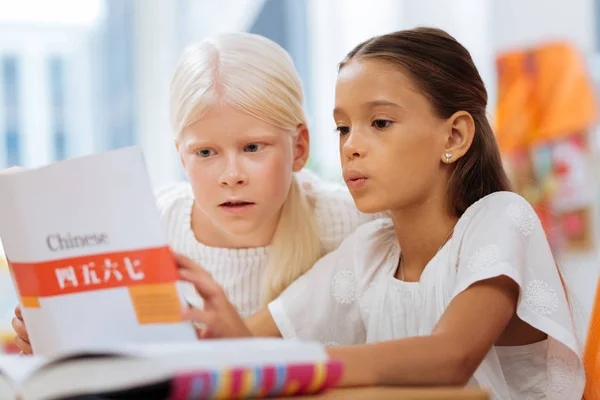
[{"x": 250, "y": 214}]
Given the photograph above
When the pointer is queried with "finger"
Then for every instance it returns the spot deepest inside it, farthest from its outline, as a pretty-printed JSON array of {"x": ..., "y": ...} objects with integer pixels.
[
  {"x": 201, "y": 331},
  {"x": 199, "y": 317},
  {"x": 207, "y": 334},
  {"x": 185, "y": 263},
  {"x": 24, "y": 346},
  {"x": 18, "y": 313},
  {"x": 202, "y": 280},
  {"x": 206, "y": 287},
  {"x": 20, "y": 329},
  {"x": 204, "y": 332}
]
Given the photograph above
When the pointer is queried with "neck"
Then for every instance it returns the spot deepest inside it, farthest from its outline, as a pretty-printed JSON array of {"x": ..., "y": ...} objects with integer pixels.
[
  {"x": 421, "y": 230},
  {"x": 210, "y": 234}
]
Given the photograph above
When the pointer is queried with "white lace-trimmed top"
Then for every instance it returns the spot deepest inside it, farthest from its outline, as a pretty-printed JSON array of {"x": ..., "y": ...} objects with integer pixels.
[
  {"x": 240, "y": 271},
  {"x": 356, "y": 298}
]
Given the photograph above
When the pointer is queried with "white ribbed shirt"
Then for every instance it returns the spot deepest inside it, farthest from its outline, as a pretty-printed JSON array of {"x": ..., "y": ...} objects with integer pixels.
[{"x": 239, "y": 271}]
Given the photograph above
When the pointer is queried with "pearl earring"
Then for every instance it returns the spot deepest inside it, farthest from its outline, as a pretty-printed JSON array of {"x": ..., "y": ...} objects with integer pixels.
[{"x": 448, "y": 157}]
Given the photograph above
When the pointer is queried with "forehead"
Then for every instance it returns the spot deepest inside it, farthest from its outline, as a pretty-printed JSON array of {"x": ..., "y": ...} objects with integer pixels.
[
  {"x": 370, "y": 79},
  {"x": 225, "y": 120}
]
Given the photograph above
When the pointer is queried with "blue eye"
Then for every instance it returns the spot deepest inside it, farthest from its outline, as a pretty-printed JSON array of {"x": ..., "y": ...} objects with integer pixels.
[
  {"x": 205, "y": 153},
  {"x": 253, "y": 147}
]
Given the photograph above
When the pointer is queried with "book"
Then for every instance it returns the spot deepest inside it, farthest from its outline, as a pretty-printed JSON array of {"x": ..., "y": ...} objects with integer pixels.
[
  {"x": 210, "y": 369},
  {"x": 88, "y": 256},
  {"x": 8, "y": 300}
]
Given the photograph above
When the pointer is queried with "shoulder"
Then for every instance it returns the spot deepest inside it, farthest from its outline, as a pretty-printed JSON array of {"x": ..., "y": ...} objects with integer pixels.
[
  {"x": 334, "y": 211},
  {"x": 500, "y": 200},
  {"x": 172, "y": 198},
  {"x": 501, "y": 234},
  {"x": 500, "y": 210}
]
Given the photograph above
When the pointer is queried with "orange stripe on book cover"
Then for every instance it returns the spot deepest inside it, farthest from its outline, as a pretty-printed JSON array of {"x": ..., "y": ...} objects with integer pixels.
[
  {"x": 157, "y": 303},
  {"x": 95, "y": 272},
  {"x": 591, "y": 354},
  {"x": 30, "y": 302},
  {"x": 293, "y": 379}
]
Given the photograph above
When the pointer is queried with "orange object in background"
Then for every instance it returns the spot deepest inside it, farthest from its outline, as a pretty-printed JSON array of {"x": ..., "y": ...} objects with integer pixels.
[
  {"x": 544, "y": 94},
  {"x": 515, "y": 114},
  {"x": 564, "y": 92}
]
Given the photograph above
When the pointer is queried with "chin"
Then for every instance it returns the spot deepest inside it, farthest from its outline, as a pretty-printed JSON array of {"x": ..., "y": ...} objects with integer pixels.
[
  {"x": 241, "y": 228},
  {"x": 370, "y": 206}
]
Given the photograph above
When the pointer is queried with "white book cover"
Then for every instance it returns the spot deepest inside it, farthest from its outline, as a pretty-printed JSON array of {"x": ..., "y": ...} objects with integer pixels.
[{"x": 88, "y": 256}]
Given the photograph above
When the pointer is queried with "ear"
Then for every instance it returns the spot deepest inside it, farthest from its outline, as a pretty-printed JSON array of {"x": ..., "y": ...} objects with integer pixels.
[
  {"x": 462, "y": 130},
  {"x": 301, "y": 148}
]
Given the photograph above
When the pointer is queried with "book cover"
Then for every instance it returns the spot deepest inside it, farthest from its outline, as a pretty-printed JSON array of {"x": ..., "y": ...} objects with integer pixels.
[{"x": 87, "y": 254}]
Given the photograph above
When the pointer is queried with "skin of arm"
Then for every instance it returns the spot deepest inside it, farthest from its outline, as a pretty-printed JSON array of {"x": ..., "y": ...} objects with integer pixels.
[{"x": 449, "y": 356}]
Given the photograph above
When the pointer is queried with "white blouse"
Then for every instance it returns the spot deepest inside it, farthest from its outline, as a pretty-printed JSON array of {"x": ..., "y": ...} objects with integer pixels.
[{"x": 354, "y": 297}]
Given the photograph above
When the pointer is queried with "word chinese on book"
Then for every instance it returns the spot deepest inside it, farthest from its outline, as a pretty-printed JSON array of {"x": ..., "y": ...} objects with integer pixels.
[{"x": 87, "y": 254}]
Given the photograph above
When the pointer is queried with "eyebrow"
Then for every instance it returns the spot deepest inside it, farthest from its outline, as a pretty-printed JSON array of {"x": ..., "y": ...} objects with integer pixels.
[
  {"x": 379, "y": 103},
  {"x": 248, "y": 137},
  {"x": 373, "y": 104}
]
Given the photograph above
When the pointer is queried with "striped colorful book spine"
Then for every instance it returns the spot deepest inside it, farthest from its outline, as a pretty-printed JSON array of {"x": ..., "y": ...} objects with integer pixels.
[{"x": 258, "y": 382}]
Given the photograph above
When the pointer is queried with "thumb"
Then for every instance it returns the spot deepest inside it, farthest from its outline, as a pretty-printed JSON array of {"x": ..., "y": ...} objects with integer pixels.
[{"x": 18, "y": 313}]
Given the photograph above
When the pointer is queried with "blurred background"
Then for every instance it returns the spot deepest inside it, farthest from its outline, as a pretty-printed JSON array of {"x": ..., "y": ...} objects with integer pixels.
[{"x": 84, "y": 76}]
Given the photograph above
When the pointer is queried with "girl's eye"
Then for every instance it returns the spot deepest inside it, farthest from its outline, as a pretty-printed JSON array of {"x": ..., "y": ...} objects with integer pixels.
[
  {"x": 253, "y": 147},
  {"x": 343, "y": 130},
  {"x": 205, "y": 153},
  {"x": 382, "y": 123}
]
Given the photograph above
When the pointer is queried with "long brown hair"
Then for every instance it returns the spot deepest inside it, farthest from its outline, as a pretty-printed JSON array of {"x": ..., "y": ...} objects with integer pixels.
[{"x": 444, "y": 71}]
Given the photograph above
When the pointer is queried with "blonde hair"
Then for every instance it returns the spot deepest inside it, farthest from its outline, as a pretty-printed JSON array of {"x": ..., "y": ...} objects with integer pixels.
[{"x": 257, "y": 76}]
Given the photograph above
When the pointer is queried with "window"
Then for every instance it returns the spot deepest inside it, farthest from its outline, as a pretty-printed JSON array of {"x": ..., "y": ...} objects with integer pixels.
[
  {"x": 10, "y": 78},
  {"x": 57, "y": 106},
  {"x": 116, "y": 75}
]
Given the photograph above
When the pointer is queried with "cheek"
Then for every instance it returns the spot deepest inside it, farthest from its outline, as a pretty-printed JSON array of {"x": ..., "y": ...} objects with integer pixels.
[
  {"x": 200, "y": 172},
  {"x": 412, "y": 158},
  {"x": 272, "y": 177},
  {"x": 203, "y": 177},
  {"x": 424, "y": 140}
]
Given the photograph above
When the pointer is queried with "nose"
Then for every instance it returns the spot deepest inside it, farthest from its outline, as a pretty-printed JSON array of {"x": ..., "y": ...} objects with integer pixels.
[
  {"x": 233, "y": 174},
  {"x": 354, "y": 146}
]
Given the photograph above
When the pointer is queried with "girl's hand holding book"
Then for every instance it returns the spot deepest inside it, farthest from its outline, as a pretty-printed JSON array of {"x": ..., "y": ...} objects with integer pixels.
[
  {"x": 22, "y": 338},
  {"x": 218, "y": 318}
]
